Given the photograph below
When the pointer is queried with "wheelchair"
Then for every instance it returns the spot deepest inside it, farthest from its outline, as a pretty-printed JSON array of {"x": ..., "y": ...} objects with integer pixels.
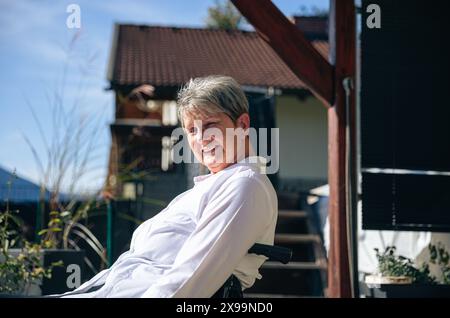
[{"x": 232, "y": 287}]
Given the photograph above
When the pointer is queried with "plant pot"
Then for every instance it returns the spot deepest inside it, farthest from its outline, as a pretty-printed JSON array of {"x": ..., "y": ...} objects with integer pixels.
[
  {"x": 67, "y": 277},
  {"x": 395, "y": 280}
]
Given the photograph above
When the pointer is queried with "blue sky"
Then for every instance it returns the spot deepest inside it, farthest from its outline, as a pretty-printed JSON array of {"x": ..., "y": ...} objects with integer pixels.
[{"x": 34, "y": 41}]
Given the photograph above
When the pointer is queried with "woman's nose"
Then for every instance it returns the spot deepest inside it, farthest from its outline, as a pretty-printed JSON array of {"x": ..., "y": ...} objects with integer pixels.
[{"x": 199, "y": 136}]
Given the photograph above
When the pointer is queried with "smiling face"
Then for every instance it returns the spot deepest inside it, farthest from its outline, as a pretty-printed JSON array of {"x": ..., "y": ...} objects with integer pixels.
[{"x": 207, "y": 137}]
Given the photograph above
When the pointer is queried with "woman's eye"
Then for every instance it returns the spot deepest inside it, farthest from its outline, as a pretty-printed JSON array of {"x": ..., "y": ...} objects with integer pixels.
[
  {"x": 194, "y": 130},
  {"x": 209, "y": 125}
]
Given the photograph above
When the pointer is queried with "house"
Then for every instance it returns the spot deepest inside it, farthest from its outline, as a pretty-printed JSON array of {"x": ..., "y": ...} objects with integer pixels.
[
  {"x": 17, "y": 189},
  {"x": 21, "y": 195},
  {"x": 147, "y": 66}
]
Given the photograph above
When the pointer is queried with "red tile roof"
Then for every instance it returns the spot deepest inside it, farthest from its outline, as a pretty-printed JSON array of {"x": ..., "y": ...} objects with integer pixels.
[{"x": 169, "y": 56}]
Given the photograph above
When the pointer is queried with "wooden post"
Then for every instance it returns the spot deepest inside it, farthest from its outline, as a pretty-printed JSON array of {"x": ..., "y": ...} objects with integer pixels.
[{"x": 342, "y": 55}]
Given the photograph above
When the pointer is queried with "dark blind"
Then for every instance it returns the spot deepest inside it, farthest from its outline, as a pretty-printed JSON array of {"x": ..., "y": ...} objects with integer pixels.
[
  {"x": 406, "y": 202},
  {"x": 405, "y": 114}
]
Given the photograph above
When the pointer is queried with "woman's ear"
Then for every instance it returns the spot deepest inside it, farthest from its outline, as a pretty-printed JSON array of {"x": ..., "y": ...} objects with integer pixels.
[{"x": 243, "y": 121}]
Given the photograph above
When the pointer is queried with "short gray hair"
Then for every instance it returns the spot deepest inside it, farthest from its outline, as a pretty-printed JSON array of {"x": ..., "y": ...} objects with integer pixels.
[{"x": 210, "y": 95}]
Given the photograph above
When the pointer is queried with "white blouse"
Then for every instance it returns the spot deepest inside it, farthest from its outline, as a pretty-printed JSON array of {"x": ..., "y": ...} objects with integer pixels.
[{"x": 202, "y": 237}]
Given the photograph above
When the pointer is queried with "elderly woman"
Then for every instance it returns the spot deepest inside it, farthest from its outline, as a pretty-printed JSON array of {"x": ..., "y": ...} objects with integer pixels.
[{"x": 201, "y": 238}]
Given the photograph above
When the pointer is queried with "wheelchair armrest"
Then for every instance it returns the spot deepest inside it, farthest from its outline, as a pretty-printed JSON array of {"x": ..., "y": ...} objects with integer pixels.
[
  {"x": 232, "y": 287},
  {"x": 274, "y": 253}
]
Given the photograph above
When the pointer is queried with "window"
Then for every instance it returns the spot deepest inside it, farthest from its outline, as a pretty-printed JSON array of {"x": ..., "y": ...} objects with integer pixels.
[{"x": 169, "y": 113}]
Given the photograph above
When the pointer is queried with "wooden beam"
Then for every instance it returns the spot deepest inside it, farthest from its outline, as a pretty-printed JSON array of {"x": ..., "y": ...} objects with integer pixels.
[
  {"x": 291, "y": 45},
  {"x": 343, "y": 56}
]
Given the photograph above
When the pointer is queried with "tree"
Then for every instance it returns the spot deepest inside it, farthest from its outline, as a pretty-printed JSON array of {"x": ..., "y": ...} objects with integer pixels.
[{"x": 224, "y": 16}]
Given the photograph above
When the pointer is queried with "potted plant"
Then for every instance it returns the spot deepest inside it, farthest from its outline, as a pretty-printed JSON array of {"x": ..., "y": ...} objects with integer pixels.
[
  {"x": 55, "y": 248},
  {"x": 440, "y": 257},
  {"x": 397, "y": 276},
  {"x": 21, "y": 269},
  {"x": 70, "y": 145},
  {"x": 55, "y": 262}
]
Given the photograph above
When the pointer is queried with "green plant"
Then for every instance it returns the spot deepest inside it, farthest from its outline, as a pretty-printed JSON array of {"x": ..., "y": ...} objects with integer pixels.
[
  {"x": 67, "y": 160},
  {"x": 70, "y": 149},
  {"x": 439, "y": 256},
  {"x": 390, "y": 264},
  {"x": 20, "y": 271},
  {"x": 66, "y": 229}
]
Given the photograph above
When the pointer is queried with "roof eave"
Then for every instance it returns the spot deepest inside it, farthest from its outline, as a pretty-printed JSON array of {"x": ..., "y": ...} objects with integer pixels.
[{"x": 112, "y": 55}]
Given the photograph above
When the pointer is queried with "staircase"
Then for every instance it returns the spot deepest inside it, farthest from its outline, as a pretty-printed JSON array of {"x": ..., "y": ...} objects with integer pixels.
[{"x": 306, "y": 273}]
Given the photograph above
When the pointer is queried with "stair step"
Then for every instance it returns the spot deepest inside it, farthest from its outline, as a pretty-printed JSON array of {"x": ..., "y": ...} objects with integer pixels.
[
  {"x": 284, "y": 281},
  {"x": 292, "y": 214},
  {"x": 288, "y": 238},
  {"x": 288, "y": 200},
  {"x": 296, "y": 265},
  {"x": 291, "y": 223}
]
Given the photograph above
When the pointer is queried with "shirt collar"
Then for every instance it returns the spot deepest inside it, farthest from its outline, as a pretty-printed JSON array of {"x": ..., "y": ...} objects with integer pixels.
[{"x": 256, "y": 162}]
